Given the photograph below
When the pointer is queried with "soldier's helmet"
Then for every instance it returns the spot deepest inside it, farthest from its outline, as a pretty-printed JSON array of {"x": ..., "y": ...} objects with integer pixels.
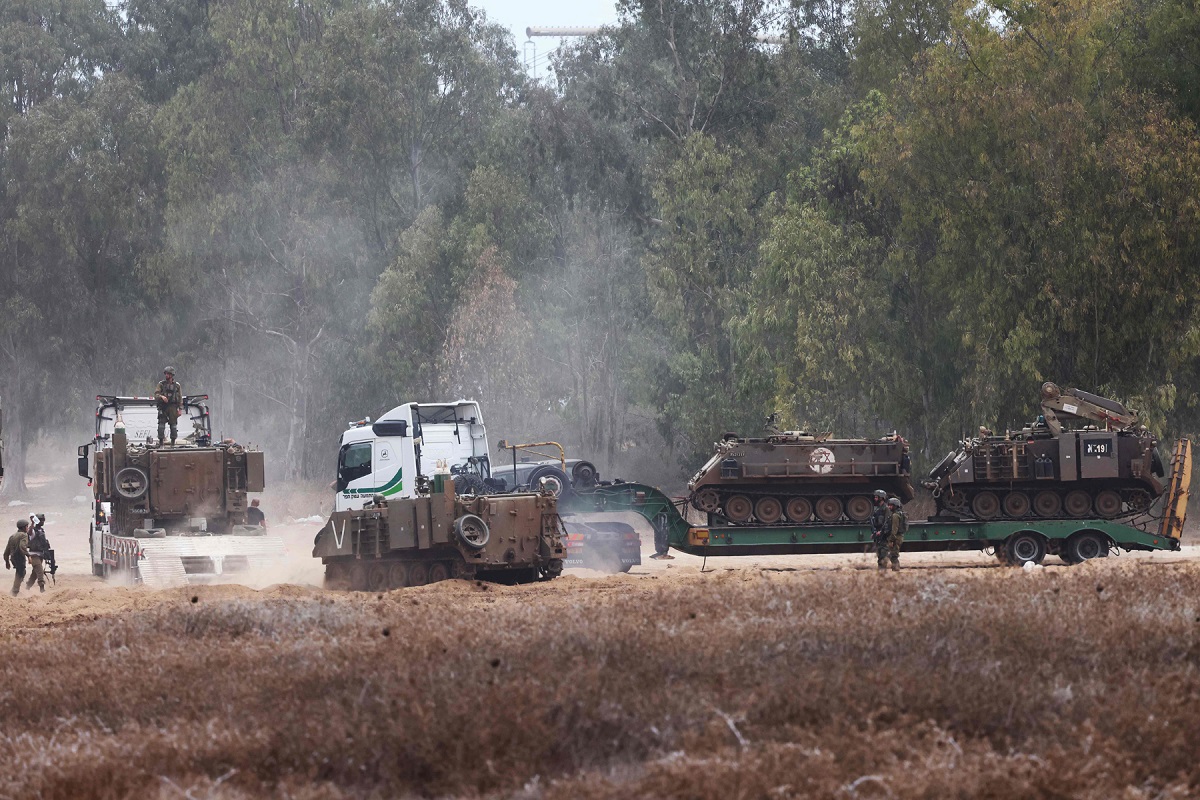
[
  {"x": 168, "y": 370},
  {"x": 41, "y": 517},
  {"x": 894, "y": 501},
  {"x": 880, "y": 494},
  {"x": 22, "y": 524}
]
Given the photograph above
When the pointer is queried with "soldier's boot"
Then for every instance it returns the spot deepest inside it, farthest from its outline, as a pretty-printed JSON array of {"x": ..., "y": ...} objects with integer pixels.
[
  {"x": 173, "y": 434},
  {"x": 16, "y": 590},
  {"x": 895, "y": 565}
]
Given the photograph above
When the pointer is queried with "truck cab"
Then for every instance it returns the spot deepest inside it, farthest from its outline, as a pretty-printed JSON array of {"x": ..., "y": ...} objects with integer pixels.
[{"x": 386, "y": 457}]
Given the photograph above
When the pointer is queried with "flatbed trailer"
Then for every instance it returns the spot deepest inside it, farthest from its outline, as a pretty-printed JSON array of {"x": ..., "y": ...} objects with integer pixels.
[{"x": 1013, "y": 541}]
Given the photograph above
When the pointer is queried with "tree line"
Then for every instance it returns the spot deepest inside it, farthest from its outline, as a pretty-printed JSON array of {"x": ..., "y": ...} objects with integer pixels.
[{"x": 904, "y": 217}]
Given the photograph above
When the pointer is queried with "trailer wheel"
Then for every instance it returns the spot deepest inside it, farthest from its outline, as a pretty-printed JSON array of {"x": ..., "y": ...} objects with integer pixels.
[
  {"x": 1025, "y": 548},
  {"x": 1086, "y": 546},
  {"x": 131, "y": 483},
  {"x": 397, "y": 575},
  {"x": 418, "y": 574},
  {"x": 377, "y": 577},
  {"x": 472, "y": 530},
  {"x": 438, "y": 572}
]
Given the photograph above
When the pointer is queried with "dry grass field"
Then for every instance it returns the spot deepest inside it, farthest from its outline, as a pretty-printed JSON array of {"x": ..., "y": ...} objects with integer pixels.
[{"x": 974, "y": 681}]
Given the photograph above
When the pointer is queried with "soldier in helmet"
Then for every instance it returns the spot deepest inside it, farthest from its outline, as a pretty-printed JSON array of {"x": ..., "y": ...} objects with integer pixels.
[
  {"x": 16, "y": 552},
  {"x": 169, "y": 395},
  {"x": 888, "y": 549},
  {"x": 39, "y": 551},
  {"x": 879, "y": 516}
]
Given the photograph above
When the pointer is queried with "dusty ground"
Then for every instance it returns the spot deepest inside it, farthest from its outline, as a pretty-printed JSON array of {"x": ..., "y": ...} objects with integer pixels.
[{"x": 760, "y": 677}]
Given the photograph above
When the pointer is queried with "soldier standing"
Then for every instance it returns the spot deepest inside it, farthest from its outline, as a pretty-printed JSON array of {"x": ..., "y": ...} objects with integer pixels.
[
  {"x": 39, "y": 548},
  {"x": 897, "y": 526},
  {"x": 16, "y": 552},
  {"x": 169, "y": 395},
  {"x": 878, "y": 515}
]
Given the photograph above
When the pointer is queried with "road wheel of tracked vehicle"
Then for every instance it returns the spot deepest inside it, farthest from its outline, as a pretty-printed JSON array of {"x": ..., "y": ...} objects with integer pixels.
[
  {"x": 1108, "y": 504},
  {"x": 418, "y": 574},
  {"x": 131, "y": 483},
  {"x": 1138, "y": 500},
  {"x": 768, "y": 510},
  {"x": 985, "y": 505},
  {"x": 1077, "y": 503},
  {"x": 738, "y": 508},
  {"x": 706, "y": 500},
  {"x": 357, "y": 577},
  {"x": 858, "y": 508},
  {"x": 377, "y": 577},
  {"x": 397, "y": 576},
  {"x": 1086, "y": 546},
  {"x": 799, "y": 509},
  {"x": 472, "y": 530},
  {"x": 829, "y": 509},
  {"x": 1047, "y": 504},
  {"x": 438, "y": 572},
  {"x": 1016, "y": 504},
  {"x": 1025, "y": 548}
]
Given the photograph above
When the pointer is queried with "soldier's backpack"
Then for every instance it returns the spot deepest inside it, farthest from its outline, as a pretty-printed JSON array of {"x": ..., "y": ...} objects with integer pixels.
[{"x": 902, "y": 528}]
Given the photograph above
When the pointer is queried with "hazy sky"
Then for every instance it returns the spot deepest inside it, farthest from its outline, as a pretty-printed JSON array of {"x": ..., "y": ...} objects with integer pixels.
[{"x": 520, "y": 14}]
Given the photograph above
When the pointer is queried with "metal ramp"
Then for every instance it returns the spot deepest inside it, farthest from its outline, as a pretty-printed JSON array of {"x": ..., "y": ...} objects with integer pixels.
[{"x": 180, "y": 560}]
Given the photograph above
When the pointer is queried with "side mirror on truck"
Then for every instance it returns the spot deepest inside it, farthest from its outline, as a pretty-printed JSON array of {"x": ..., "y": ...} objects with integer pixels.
[{"x": 83, "y": 461}]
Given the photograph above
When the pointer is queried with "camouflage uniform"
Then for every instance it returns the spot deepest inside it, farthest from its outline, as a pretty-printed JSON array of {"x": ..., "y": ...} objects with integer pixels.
[
  {"x": 15, "y": 554},
  {"x": 880, "y": 532},
  {"x": 879, "y": 516},
  {"x": 38, "y": 546},
  {"x": 168, "y": 412},
  {"x": 889, "y": 547}
]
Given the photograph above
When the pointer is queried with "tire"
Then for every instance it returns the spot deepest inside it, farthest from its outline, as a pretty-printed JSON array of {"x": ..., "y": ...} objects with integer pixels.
[
  {"x": 438, "y": 572},
  {"x": 131, "y": 483},
  {"x": 829, "y": 509},
  {"x": 1047, "y": 503},
  {"x": 859, "y": 508},
  {"x": 1086, "y": 546},
  {"x": 799, "y": 509},
  {"x": 1025, "y": 548},
  {"x": 1016, "y": 505},
  {"x": 377, "y": 577},
  {"x": 469, "y": 483},
  {"x": 985, "y": 505},
  {"x": 556, "y": 480},
  {"x": 768, "y": 510},
  {"x": 1077, "y": 503},
  {"x": 584, "y": 475},
  {"x": 472, "y": 531},
  {"x": 1108, "y": 504},
  {"x": 738, "y": 508}
]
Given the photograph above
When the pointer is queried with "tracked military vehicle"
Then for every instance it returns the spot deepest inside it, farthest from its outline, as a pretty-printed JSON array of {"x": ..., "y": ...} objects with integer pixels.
[
  {"x": 438, "y": 534},
  {"x": 1084, "y": 456},
  {"x": 799, "y": 477},
  {"x": 175, "y": 514}
]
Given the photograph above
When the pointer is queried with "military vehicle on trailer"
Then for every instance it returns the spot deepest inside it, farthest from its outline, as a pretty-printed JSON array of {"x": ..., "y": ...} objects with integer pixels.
[
  {"x": 165, "y": 515},
  {"x": 799, "y": 477},
  {"x": 391, "y": 543},
  {"x": 1086, "y": 456}
]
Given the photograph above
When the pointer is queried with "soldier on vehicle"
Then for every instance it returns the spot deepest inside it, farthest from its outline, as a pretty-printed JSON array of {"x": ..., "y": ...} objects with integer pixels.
[
  {"x": 16, "y": 552},
  {"x": 169, "y": 395},
  {"x": 879, "y": 515},
  {"x": 39, "y": 548},
  {"x": 255, "y": 515},
  {"x": 888, "y": 549}
]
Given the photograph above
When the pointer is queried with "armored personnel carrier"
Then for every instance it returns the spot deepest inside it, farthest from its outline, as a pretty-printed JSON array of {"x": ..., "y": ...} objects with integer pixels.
[
  {"x": 798, "y": 477},
  {"x": 392, "y": 542},
  {"x": 171, "y": 514},
  {"x": 1084, "y": 456}
]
